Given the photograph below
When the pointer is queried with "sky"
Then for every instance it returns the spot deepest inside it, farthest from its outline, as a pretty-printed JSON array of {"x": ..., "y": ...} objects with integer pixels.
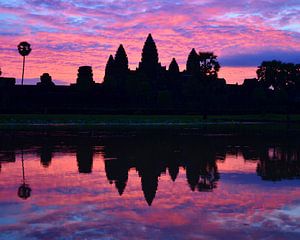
[{"x": 66, "y": 34}]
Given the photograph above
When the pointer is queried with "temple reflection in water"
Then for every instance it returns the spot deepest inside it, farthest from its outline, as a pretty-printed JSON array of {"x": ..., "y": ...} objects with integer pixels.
[{"x": 152, "y": 155}]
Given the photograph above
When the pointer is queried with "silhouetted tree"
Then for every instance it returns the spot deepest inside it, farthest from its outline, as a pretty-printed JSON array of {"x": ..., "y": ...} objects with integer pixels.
[
  {"x": 209, "y": 66},
  {"x": 276, "y": 164},
  {"x": 297, "y": 74},
  {"x": 278, "y": 75},
  {"x": 193, "y": 174},
  {"x": 268, "y": 74},
  {"x": 209, "y": 176}
]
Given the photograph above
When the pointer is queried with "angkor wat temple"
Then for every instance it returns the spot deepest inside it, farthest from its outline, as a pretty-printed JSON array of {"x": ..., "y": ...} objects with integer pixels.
[{"x": 155, "y": 89}]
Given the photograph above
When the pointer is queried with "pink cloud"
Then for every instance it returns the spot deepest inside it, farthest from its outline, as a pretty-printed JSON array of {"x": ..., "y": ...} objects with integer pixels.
[{"x": 65, "y": 35}]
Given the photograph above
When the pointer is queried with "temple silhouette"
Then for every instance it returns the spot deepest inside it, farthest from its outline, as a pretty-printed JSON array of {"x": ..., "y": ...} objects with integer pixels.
[{"x": 155, "y": 89}]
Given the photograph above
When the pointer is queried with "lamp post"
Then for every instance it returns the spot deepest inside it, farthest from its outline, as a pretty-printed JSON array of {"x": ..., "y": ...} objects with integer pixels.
[{"x": 24, "y": 50}]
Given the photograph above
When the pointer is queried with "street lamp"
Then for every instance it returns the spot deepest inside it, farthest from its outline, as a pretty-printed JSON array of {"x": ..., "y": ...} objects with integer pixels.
[{"x": 24, "y": 50}]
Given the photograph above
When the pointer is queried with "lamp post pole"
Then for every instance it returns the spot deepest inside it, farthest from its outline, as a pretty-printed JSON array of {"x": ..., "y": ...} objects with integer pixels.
[
  {"x": 23, "y": 70},
  {"x": 24, "y": 50}
]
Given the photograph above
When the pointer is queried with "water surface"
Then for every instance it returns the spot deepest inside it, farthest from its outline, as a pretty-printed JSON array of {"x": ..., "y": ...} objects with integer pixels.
[{"x": 148, "y": 184}]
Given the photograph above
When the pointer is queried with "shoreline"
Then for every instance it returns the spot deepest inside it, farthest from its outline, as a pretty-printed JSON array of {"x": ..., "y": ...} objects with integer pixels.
[
  {"x": 99, "y": 119},
  {"x": 222, "y": 123}
]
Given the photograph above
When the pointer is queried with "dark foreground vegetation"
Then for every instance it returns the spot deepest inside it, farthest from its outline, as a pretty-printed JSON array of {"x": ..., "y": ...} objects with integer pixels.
[
  {"x": 272, "y": 124},
  {"x": 154, "y": 89}
]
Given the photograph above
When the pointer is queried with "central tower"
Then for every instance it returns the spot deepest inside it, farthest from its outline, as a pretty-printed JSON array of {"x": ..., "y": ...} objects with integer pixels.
[{"x": 149, "y": 64}]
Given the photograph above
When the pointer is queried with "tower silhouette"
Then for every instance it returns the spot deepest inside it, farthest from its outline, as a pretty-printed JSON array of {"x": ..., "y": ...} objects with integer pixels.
[
  {"x": 149, "y": 65},
  {"x": 149, "y": 186},
  {"x": 46, "y": 155},
  {"x": 85, "y": 77},
  {"x": 117, "y": 172},
  {"x": 121, "y": 61},
  {"x": 46, "y": 81},
  {"x": 84, "y": 157},
  {"x": 192, "y": 64},
  {"x": 109, "y": 70},
  {"x": 173, "y": 67}
]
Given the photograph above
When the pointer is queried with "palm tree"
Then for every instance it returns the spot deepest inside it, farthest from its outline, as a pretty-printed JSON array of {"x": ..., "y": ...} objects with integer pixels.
[{"x": 24, "y": 50}]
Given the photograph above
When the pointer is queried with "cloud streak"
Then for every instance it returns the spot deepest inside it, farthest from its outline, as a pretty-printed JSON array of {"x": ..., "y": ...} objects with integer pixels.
[{"x": 66, "y": 34}]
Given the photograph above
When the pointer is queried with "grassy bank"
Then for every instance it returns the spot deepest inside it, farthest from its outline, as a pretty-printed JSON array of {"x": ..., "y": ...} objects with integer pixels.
[
  {"x": 240, "y": 124},
  {"x": 36, "y": 119},
  {"x": 106, "y": 120}
]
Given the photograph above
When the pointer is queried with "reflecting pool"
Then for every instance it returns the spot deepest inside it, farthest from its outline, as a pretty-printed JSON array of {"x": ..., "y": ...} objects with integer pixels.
[{"x": 148, "y": 184}]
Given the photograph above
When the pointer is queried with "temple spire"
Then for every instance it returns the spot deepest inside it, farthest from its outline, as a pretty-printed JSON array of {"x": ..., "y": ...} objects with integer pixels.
[
  {"x": 150, "y": 54},
  {"x": 192, "y": 65},
  {"x": 121, "y": 60},
  {"x": 109, "y": 69},
  {"x": 173, "y": 67},
  {"x": 149, "y": 65}
]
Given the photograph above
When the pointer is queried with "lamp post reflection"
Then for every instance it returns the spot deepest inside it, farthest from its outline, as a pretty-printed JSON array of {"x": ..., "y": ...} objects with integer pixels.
[{"x": 24, "y": 190}]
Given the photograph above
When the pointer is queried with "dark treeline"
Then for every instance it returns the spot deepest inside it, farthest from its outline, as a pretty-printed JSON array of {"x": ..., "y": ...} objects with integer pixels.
[
  {"x": 154, "y": 154},
  {"x": 153, "y": 88}
]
